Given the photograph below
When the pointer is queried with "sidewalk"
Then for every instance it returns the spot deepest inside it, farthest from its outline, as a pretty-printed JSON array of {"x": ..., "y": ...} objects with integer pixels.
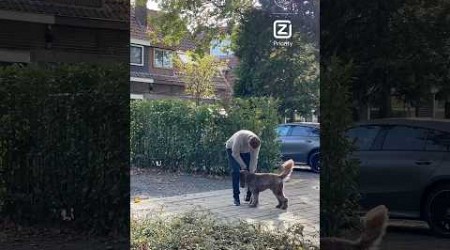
[{"x": 303, "y": 194}]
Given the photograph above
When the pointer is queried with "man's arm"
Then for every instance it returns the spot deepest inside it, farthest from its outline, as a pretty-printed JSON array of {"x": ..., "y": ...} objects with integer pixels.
[
  {"x": 236, "y": 153},
  {"x": 254, "y": 154}
]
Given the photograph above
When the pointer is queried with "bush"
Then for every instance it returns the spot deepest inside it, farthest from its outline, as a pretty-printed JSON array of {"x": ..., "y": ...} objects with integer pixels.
[
  {"x": 339, "y": 193},
  {"x": 182, "y": 136},
  {"x": 64, "y": 144},
  {"x": 195, "y": 230}
]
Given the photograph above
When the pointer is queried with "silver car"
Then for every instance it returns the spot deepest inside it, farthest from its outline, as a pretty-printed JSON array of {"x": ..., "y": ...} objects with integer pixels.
[
  {"x": 300, "y": 142},
  {"x": 405, "y": 165}
]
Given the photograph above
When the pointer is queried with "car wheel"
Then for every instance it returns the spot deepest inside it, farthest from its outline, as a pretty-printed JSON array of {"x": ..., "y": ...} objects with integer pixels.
[
  {"x": 437, "y": 210},
  {"x": 314, "y": 161}
]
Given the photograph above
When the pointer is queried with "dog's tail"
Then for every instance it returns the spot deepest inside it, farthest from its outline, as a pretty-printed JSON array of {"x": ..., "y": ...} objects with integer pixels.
[
  {"x": 288, "y": 167},
  {"x": 374, "y": 227}
]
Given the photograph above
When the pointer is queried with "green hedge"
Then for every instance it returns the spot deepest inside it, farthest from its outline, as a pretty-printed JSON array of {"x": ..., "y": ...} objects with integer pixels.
[
  {"x": 180, "y": 136},
  {"x": 64, "y": 144},
  {"x": 339, "y": 190}
]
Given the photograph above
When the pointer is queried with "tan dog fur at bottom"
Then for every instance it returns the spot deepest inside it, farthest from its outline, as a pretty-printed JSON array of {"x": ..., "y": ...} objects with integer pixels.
[{"x": 376, "y": 221}]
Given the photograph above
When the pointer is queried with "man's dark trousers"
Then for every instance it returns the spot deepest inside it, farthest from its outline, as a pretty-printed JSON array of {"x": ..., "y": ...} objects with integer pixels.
[{"x": 235, "y": 168}]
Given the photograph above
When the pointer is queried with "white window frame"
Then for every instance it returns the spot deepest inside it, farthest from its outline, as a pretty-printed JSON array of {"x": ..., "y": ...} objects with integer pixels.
[
  {"x": 142, "y": 55},
  {"x": 162, "y": 50}
]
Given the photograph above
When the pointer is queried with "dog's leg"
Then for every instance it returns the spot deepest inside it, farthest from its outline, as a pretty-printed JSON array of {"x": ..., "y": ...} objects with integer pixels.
[
  {"x": 278, "y": 196},
  {"x": 285, "y": 200},
  {"x": 282, "y": 200},
  {"x": 254, "y": 199},
  {"x": 285, "y": 205}
]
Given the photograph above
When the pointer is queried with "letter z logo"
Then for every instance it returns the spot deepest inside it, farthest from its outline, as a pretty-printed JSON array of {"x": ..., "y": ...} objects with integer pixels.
[{"x": 282, "y": 29}]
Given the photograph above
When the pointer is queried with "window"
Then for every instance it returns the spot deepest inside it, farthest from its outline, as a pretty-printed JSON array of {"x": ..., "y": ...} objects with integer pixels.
[
  {"x": 282, "y": 130},
  {"x": 162, "y": 59},
  {"x": 315, "y": 132},
  {"x": 438, "y": 141},
  {"x": 405, "y": 138},
  {"x": 221, "y": 48},
  {"x": 363, "y": 137},
  {"x": 304, "y": 131},
  {"x": 136, "y": 55}
]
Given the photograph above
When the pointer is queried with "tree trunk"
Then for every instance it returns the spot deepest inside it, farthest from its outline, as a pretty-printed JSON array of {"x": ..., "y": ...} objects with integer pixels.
[
  {"x": 447, "y": 110},
  {"x": 386, "y": 105}
]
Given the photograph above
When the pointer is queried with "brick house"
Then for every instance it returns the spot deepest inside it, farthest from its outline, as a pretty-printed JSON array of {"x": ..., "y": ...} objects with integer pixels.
[
  {"x": 152, "y": 73},
  {"x": 48, "y": 31}
]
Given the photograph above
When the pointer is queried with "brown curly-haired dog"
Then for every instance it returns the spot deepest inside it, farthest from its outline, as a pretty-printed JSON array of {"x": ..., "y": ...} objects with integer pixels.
[{"x": 258, "y": 182}]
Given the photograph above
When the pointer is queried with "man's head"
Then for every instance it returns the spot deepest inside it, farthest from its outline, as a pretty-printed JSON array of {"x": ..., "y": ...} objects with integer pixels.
[{"x": 254, "y": 142}]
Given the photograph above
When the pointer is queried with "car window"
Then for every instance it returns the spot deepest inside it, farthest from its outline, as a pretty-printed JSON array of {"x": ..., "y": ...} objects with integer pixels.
[
  {"x": 282, "y": 130},
  {"x": 438, "y": 141},
  {"x": 405, "y": 138},
  {"x": 363, "y": 136},
  {"x": 315, "y": 132},
  {"x": 303, "y": 131}
]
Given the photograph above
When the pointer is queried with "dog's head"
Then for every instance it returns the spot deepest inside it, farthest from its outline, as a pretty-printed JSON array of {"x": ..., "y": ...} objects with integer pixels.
[{"x": 243, "y": 178}]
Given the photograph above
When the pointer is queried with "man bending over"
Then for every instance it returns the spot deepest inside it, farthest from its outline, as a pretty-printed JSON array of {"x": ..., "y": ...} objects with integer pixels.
[{"x": 243, "y": 150}]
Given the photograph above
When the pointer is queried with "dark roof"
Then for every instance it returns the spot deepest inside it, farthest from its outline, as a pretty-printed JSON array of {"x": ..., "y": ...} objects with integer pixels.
[
  {"x": 438, "y": 124},
  {"x": 112, "y": 10},
  {"x": 139, "y": 31}
]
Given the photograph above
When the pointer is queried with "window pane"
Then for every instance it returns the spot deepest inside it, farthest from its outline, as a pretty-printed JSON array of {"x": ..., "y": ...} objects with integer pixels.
[
  {"x": 363, "y": 136},
  {"x": 158, "y": 60},
  {"x": 136, "y": 55},
  {"x": 282, "y": 130},
  {"x": 315, "y": 132},
  {"x": 405, "y": 138},
  {"x": 438, "y": 141},
  {"x": 167, "y": 60},
  {"x": 221, "y": 48},
  {"x": 301, "y": 131}
]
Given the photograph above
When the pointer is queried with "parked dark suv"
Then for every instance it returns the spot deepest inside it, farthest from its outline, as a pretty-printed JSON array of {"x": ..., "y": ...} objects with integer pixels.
[
  {"x": 300, "y": 142},
  {"x": 405, "y": 165}
]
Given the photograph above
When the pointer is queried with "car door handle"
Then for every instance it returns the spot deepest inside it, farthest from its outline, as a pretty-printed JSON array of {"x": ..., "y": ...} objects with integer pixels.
[{"x": 423, "y": 162}]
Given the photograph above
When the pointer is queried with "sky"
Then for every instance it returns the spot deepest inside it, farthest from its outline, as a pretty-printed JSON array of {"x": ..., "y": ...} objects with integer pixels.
[{"x": 152, "y": 5}]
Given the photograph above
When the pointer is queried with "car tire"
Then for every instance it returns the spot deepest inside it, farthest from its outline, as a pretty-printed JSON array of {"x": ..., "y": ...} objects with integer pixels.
[
  {"x": 437, "y": 210},
  {"x": 314, "y": 161}
]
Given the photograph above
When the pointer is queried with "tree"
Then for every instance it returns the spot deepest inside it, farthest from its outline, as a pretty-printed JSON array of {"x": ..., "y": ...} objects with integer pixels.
[
  {"x": 339, "y": 194},
  {"x": 200, "y": 21},
  {"x": 397, "y": 48},
  {"x": 289, "y": 73},
  {"x": 305, "y": 15},
  {"x": 420, "y": 31},
  {"x": 198, "y": 72},
  {"x": 265, "y": 70},
  {"x": 204, "y": 20}
]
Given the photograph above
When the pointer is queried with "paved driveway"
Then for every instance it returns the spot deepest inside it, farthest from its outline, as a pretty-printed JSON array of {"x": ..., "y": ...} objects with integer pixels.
[{"x": 302, "y": 190}]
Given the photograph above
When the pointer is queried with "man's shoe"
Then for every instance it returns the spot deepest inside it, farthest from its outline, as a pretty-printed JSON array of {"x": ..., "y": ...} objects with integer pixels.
[
  {"x": 237, "y": 202},
  {"x": 247, "y": 197}
]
